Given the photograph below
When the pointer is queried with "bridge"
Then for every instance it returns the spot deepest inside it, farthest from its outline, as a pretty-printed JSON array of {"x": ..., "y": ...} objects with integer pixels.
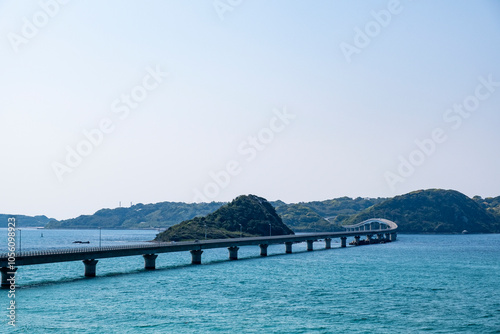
[
  {"x": 385, "y": 231},
  {"x": 369, "y": 224}
]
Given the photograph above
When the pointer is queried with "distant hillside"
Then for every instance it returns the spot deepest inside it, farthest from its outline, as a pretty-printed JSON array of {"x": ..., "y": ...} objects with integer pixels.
[
  {"x": 254, "y": 213},
  {"x": 301, "y": 218},
  {"x": 25, "y": 221},
  {"x": 159, "y": 215},
  {"x": 491, "y": 204},
  {"x": 425, "y": 211},
  {"x": 432, "y": 211},
  {"x": 342, "y": 206},
  {"x": 323, "y": 216}
]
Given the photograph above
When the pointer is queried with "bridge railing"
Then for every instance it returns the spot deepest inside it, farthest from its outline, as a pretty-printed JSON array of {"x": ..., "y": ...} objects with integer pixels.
[
  {"x": 390, "y": 224},
  {"x": 81, "y": 250},
  {"x": 392, "y": 227}
]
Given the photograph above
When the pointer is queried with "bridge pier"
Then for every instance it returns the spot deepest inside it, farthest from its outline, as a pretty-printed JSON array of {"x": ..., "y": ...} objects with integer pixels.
[
  {"x": 328, "y": 243},
  {"x": 356, "y": 240},
  {"x": 310, "y": 245},
  {"x": 263, "y": 249},
  {"x": 369, "y": 238},
  {"x": 90, "y": 267},
  {"x": 288, "y": 247},
  {"x": 150, "y": 261},
  {"x": 233, "y": 252},
  {"x": 380, "y": 236},
  {"x": 8, "y": 276},
  {"x": 388, "y": 236},
  {"x": 393, "y": 236},
  {"x": 343, "y": 242},
  {"x": 196, "y": 256}
]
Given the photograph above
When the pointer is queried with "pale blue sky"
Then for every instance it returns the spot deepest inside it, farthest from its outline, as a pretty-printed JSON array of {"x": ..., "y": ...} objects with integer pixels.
[{"x": 353, "y": 120}]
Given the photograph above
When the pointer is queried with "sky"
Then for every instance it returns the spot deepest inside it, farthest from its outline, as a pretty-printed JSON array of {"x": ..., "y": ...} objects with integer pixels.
[{"x": 111, "y": 103}]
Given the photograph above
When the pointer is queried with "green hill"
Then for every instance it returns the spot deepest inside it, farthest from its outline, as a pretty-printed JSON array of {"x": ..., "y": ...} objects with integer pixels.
[
  {"x": 25, "y": 221},
  {"x": 158, "y": 215},
  {"x": 323, "y": 216},
  {"x": 432, "y": 211},
  {"x": 345, "y": 206},
  {"x": 301, "y": 218},
  {"x": 491, "y": 204},
  {"x": 255, "y": 214},
  {"x": 425, "y": 211}
]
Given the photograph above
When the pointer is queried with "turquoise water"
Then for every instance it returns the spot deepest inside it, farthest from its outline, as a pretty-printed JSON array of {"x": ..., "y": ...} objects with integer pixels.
[{"x": 438, "y": 284}]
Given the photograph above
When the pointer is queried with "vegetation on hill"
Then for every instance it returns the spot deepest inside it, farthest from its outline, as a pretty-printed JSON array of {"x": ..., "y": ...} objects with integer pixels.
[
  {"x": 301, "y": 218},
  {"x": 159, "y": 215},
  {"x": 249, "y": 215},
  {"x": 432, "y": 211},
  {"x": 342, "y": 206},
  {"x": 25, "y": 221},
  {"x": 323, "y": 216},
  {"x": 424, "y": 211},
  {"x": 491, "y": 204}
]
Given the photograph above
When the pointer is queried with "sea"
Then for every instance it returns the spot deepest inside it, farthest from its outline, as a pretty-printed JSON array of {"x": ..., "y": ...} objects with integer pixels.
[{"x": 418, "y": 284}]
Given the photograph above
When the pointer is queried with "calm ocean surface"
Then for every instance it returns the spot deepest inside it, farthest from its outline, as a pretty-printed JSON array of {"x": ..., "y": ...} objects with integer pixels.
[{"x": 421, "y": 283}]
